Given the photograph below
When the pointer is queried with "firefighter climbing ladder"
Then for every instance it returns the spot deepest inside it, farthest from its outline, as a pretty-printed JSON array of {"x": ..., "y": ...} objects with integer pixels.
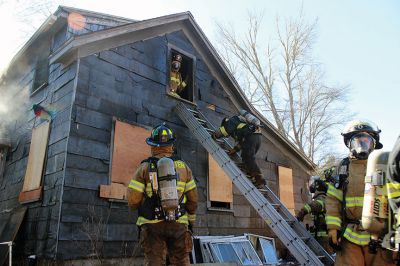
[{"x": 292, "y": 233}]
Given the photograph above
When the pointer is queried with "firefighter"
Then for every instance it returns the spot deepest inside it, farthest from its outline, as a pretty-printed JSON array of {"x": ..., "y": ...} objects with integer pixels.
[
  {"x": 344, "y": 201},
  {"x": 316, "y": 207},
  {"x": 165, "y": 194},
  {"x": 393, "y": 188},
  {"x": 245, "y": 129},
  {"x": 176, "y": 83}
]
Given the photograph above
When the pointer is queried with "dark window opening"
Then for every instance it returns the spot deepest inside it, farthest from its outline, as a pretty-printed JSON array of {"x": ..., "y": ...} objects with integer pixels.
[
  {"x": 181, "y": 75},
  {"x": 41, "y": 77},
  {"x": 222, "y": 205}
]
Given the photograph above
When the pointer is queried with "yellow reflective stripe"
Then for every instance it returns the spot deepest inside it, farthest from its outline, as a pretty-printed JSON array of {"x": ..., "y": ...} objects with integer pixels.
[
  {"x": 223, "y": 131},
  {"x": 184, "y": 84},
  {"x": 183, "y": 219},
  {"x": 394, "y": 195},
  {"x": 320, "y": 234},
  {"x": 393, "y": 190},
  {"x": 192, "y": 217},
  {"x": 354, "y": 201},
  {"x": 164, "y": 133},
  {"x": 136, "y": 185},
  {"x": 336, "y": 193},
  {"x": 190, "y": 185},
  {"x": 333, "y": 220},
  {"x": 241, "y": 125},
  {"x": 181, "y": 186},
  {"x": 149, "y": 190},
  {"x": 184, "y": 199},
  {"x": 307, "y": 208},
  {"x": 141, "y": 220},
  {"x": 177, "y": 80},
  {"x": 359, "y": 238},
  {"x": 321, "y": 202}
]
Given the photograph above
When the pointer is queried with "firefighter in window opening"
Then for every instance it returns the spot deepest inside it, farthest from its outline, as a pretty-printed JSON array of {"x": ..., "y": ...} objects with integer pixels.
[
  {"x": 176, "y": 83},
  {"x": 165, "y": 194},
  {"x": 316, "y": 207},
  {"x": 344, "y": 201},
  {"x": 245, "y": 129}
]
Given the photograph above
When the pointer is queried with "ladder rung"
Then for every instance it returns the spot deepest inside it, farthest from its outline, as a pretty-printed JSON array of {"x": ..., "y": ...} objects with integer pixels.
[
  {"x": 209, "y": 129},
  {"x": 201, "y": 121},
  {"x": 192, "y": 111}
]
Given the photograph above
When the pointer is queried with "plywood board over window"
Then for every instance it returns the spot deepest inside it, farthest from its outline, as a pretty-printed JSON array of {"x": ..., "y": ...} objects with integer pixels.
[
  {"x": 219, "y": 186},
  {"x": 128, "y": 150},
  {"x": 32, "y": 189},
  {"x": 286, "y": 187}
]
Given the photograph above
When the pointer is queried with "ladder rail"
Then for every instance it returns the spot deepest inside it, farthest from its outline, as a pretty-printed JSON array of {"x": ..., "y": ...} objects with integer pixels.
[{"x": 265, "y": 209}]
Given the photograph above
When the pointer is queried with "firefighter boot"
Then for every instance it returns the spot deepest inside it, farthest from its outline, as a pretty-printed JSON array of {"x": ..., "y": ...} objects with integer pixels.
[{"x": 259, "y": 181}]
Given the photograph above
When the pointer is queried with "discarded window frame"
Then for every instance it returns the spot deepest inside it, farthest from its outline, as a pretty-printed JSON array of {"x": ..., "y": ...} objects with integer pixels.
[{"x": 245, "y": 250}]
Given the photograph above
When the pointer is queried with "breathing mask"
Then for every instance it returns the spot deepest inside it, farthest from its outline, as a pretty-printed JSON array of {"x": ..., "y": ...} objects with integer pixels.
[{"x": 361, "y": 145}]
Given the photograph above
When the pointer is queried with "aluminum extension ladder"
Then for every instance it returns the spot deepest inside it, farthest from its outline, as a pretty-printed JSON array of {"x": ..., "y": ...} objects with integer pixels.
[{"x": 285, "y": 226}]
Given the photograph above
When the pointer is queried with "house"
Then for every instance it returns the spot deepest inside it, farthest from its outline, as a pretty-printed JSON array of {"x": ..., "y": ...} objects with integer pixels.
[{"x": 62, "y": 190}]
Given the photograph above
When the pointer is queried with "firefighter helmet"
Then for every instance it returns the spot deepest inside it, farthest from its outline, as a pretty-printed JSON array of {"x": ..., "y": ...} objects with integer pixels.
[
  {"x": 317, "y": 184},
  {"x": 359, "y": 126},
  {"x": 177, "y": 57},
  {"x": 161, "y": 135}
]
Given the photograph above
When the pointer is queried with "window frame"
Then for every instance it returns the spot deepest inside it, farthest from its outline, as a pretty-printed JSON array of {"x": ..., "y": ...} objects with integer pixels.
[
  {"x": 209, "y": 201},
  {"x": 105, "y": 188},
  {"x": 292, "y": 210},
  {"x": 172, "y": 48}
]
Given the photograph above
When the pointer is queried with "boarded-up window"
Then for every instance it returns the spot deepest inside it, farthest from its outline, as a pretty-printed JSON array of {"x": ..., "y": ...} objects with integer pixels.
[
  {"x": 32, "y": 189},
  {"x": 128, "y": 150},
  {"x": 219, "y": 186},
  {"x": 286, "y": 187}
]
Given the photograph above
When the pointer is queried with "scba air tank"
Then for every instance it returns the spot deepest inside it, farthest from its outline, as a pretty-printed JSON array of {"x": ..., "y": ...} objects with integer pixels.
[
  {"x": 375, "y": 207},
  {"x": 167, "y": 182},
  {"x": 249, "y": 118}
]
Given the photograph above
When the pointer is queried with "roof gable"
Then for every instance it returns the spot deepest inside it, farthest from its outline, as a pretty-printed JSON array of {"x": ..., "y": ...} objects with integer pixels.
[{"x": 87, "y": 44}]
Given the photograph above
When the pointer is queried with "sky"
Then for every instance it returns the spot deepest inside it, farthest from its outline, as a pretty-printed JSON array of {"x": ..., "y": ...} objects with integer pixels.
[{"x": 358, "y": 41}]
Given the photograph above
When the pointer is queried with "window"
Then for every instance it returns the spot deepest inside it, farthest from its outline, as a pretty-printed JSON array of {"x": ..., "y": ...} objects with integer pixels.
[
  {"x": 286, "y": 187},
  {"x": 4, "y": 146},
  {"x": 219, "y": 187},
  {"x": 41, "y": 76},
  {"x": 181, "y": 73},
  {"x": 238, "y": 249},
  {"x": 128, "y": 150},
  {"x": 32, "y": 189}
]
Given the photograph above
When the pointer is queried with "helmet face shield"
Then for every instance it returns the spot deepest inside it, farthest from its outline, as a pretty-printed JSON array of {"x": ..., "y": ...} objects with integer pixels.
[{"x": 361, "y": 145}]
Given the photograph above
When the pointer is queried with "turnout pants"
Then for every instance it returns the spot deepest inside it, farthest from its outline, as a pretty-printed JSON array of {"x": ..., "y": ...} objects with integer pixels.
[
  {"x": 250, "y": 146},
  {"x": 160, "y": 239},
  {"x": 355, "y": 255}
]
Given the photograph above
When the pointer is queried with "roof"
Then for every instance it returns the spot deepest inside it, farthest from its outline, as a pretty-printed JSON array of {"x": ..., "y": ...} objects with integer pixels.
[
  {"x": 62, "y": 13},
  {"x": 133, "y": 31}
]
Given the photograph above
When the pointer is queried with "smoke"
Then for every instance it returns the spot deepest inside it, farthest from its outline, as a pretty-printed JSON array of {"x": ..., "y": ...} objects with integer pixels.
[{"x": 14, "y": 106}]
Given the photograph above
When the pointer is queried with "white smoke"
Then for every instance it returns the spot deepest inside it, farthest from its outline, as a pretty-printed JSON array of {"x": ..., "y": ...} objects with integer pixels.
[{"x": 14, "y": 106}]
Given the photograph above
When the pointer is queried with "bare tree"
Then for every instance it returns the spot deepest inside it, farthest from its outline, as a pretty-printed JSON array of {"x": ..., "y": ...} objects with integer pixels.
[{"x": 283, "y": 81}]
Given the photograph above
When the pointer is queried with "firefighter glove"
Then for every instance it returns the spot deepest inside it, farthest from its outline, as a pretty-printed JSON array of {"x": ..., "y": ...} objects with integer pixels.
[
  {"x": 231, "y": 151},
  {"x": 332, "y": 234},
  {"x": 300, "y": 215}
]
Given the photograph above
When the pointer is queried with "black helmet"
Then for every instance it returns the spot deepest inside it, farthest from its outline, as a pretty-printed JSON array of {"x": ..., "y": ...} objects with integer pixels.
[
  {"x": 359, "y": 126},
  {"x": 317, "y": 184},
  {"x": 161, "y": 135}
]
